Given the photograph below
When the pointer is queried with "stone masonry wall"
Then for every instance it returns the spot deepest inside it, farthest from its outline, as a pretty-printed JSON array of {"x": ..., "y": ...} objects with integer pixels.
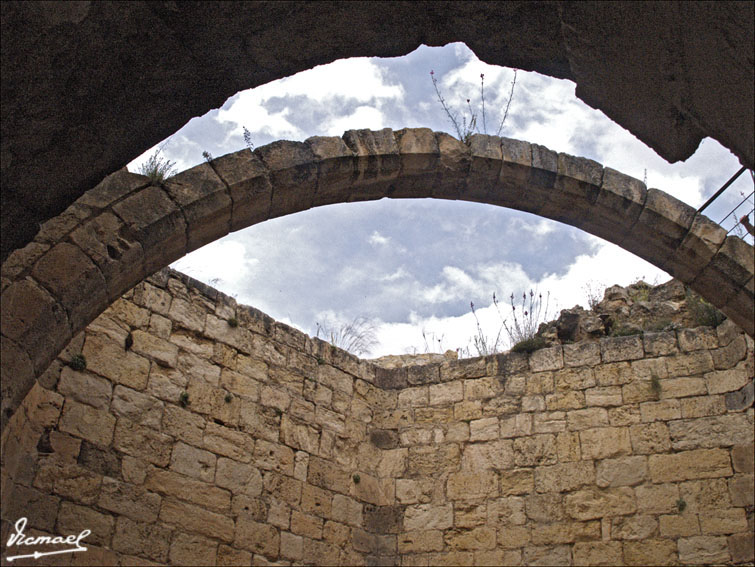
[{"x": 204, "y": 432}]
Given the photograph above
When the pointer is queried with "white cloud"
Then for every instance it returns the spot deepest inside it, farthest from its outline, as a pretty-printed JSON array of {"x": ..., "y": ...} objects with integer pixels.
[
  {"x": 222, "y": 263},
  {"x": 377, "y": 239}
]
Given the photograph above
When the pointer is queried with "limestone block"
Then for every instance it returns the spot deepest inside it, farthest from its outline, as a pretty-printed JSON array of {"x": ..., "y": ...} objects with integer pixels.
[
  {"x": 467, "y": 411},
  {"x": 155, "y": 348},
  {"x": 535, "y": 403},
  {"x": 515, "y": 426},
  {"x": 152, "y": 298},
  {"x": 193, "y": 462},
  {"x": 425, "y": 374},
  {"x": 576, "y": 189},
  {"x": 328, "y": 475},
  {"x": 703, "y": 496},
  {"x": 545, "y": 508},
  {"x": 742, "y": 458},
  {"x": 682, "y": 387},
  {"x": 239, "y": 384},
  {"x": 157, "y": 224},
  {"x": 428, "y": 517},
  {"x": 420, "y": 541},
  {"x": 603, "y": 396},
  {"x": 484, "y": 170},
  {"x": 87, "y": 422},
  {"x": 540, "y": 383},
  {"x": 229, "y": 556},
  {"x": 477, "y": 538},
  {"x": 711, "y": 432},
  {"x": 256, "y": 537},
  {"x": 591, "y": 503},
  {"x": 699, "y": 463},
  {"x": 306, "y": 525},
  {"x": 321, "y": 552},
  {"x": 565, "y": 532},
  {"x": 228, "y": 442},
  {"x": 247, "y": 179},
  {"x": 42, "y": 407},
  {"x": 721, "y": 381},
  {"x": 413, "y": 437},
  {"x": 728, "y": 521},
  {"x": 536, "y": 450},
  {"x": 183, "y": 425},
  {"x": 729, "y": 270},
  {"x": 129, "y": 500},
  {"x": 442, "y": 394},
  {"x": 614, "y": 374},
  {"x": 574, "y": 379},
  {"x": 138, "y": 538},
  {"x": 377, "y": 161},
  {"x": 567, "y": 446},
  {"x": 471, "y": 485},
  {"x": 74, "y": 280},
  {"x": 586, "y": 418},
  {"x": 138, "y": 407},
  {"x": 484, "y": 429},
  {"x": 134, "y": 470},
  {"x": 416, "y": 396},
  {"x": 299, "y": 436},
  {"x": 470, "y": 516},
  {"x": 679, "y": 525},
  {"x": 640, "y": 391},
  {"x": 485, "y": 456},
  {"x": 453, "y": 163},
  {"x": 238, "y": 337},
  {"x": 549, "y": 422},
  {"x": 142, "y": 442},
  {"x": 728, "y": 356},
  {"x": 119, "y": 259},
  {"x": 625, "y": 471},
  {"x": 617, "y": 349},
  {"x": 565, "y": 400},
  {"x": 690, "y": 364},
  {"x": 605, "y": 442},
  {"x": 697, "y": 248},
  {"x": 239, "y": 478},
  {"x": 182, "y": 487},
  {"x": 517, "y": 481},
  {"x": 383, "y": 519},
  {"x": 741, "y": 548},
  {"x": 650, "y": 552},
  {"x": 703, "y": 550},
  {"x": 597, "y": 552},
  {"x": 31, "y": 317},
  {"x": 659, "y": 343},
  {"x": 465, "y": 368},
  {"x": 650, "y": 438},
  {"x": 703, "y": 406},
  {"x": 664, "y": 410},
  {"x": 546, "y": 359},
  {"x": 637, "y": 527},
  {"x": 191, "y": 548},
  {"x": 546, "y": 555},
  {"x": 581, "y": 354}
]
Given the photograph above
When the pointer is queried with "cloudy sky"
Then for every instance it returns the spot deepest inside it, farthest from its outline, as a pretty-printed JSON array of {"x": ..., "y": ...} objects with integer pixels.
[{"x": 412, "y": 267}]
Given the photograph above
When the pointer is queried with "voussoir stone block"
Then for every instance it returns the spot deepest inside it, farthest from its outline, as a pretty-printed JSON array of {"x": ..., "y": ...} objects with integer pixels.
[
  {"x": 119, "y": 258},
  {"x": 336, "y": 169},
  {"x": 484, "y": 170},
  {"x": 419, "y": 156},
  {"x": 453, "y": 165},
  {"x": 575, "y": 191},
  {"x": 205, "y": 202},
  {"x": 377, "y": 162},
  {"x": 158, "y": 225},
  {"x": 31, "y": 317},
  {"x": 293, "y": 173},
  {"x": 618, "y": 206},
  {"x": 660, "y": 228},
  {"x": 71, "y": 277},
  {"x": 697, "y": 249},
  {"x": 249, "y": 185}
]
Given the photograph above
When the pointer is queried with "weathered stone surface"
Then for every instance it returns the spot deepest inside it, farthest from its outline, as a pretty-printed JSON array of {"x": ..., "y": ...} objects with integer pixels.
[
  {"x": 470, "y": 485},
  {"x": 597, "y": 553},
  {"x": 700, "y": 463},
  {"x": 142, "y": 442},
  {"x": 703, "y": 550},
  {"x": 129, "y": 500},
  {"x": 87, "y": 422},
  {"x": 605, "y": 442},
  {"x": 564, "y": 477},
  {"x": 110, "y": 360},
  {"x": 650, "y": 552},
  {"x": 718, "y": 431},
  {"x": 592, "y": 503},
  {"x": 625, "y": 471},
  {"x": 197, "y": 520}
]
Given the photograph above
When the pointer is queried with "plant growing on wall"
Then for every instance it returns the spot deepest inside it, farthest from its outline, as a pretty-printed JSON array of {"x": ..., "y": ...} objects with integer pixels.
[
  {"x": 357, "y": 337},
  {"x": 158, "y": 168},
  {"x": 470, "y": 120}
]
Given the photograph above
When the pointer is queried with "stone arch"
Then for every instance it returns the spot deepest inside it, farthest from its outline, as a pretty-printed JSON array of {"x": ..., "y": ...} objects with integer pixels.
[{"x": 126, "y": 228}]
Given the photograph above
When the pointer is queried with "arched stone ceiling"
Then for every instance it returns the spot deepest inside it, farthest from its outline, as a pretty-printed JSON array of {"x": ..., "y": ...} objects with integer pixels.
[
  {"x": 125, "y": 228},
  {"x": 87, "y": 86}
]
